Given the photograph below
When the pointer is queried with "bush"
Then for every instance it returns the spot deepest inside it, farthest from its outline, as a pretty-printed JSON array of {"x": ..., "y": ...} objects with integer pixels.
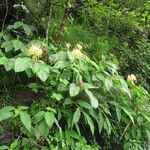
[{"x": 84, "y": 104}]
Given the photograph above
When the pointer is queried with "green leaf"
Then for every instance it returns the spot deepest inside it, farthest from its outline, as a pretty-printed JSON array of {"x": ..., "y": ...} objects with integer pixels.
[
  {"x": 128, "y": 113},
  {"x": 74, "y": 89},
  {"x": 29, "y": 72},
  {"x": 6, "y": 115},
  {"x": 88, "y": 86},
  {"x": 51, "y": 109},
  {"x": 1, "y": 53},
  {"x": 100, "y": 122},
  {"x": 26, "y": 120},
  {"x": 28, "y": 30},
  {"x": 21, "y": 64},
  {"x": 4, "y": 147},
  {"x": 7, "y": 109},
  {"x": 6, "y": 112},
  {"x": 34, "y": 87},
  {"x": 61, "y": 64},
  {"x": 14, "y": 144},
  {"x": 56, "y": 96},
  {"x": 43, "y": 129},
  {"x": 58, "y": 56},
  {"x": 8, "y": 45},
  {"x": 76, "y": 116},
  {"x": 108, "y": 126},
  {"x": 9, "y": 64},
  {"x": 125, "y": 87},
  {"x": 18, "y": 45},
  {"x": 94, "y": 101},
  {"x": 23, "y": 107},
  {"x": 108, "y": 83},
  {"x": 72, "y": 133},
  {"x": 68, "y": 101},
  {"x": 15, "y": 26},
  {"x": 118, "y": 112},
  {"x": 49, "y": 118},
  {"x": 84, "y": 104},
  {"x": 90, "y": 122},
  {"x": 147, "y": 118},
  {"x": 3, "y": 60},
  {"x": 39, "y": 116},
  {"x": 41, "y": 70}
]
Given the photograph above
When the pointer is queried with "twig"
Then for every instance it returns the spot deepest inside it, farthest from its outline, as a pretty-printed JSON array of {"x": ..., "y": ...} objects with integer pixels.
[
  {"x": 5, "y": 14},
  {"x": 124, "y": 131},
  {"x": 48, "y": 24},
  {"x": 12, "y": 15}
]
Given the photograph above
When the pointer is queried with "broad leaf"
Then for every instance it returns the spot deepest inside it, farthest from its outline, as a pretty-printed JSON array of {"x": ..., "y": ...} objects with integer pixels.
[
  {"x": 43, "y": 129},
  {"x": 7, "y": 109},
  {"x": 41, "y": 70},
  {"x": 76, "y": 116},
  {"x": 94, "y": 101},
  {"x": 26, "y": 120},
  {"x": 90, "y": 122},
  {"x": 74, "y": 89},
  {"x": 108, "y": 83},
  {"x": 6, "y": 115},
  {"x": 56, "y": 96},
  {"x": 4, "y": 147},
  {"x": 39, "y": 116},
  {"x": 21, "y": 64},
  {"x": 9, "y": 64},
  {"x": 28, "y": 30},
  {"x": 128, "y": 113},
  {"x": 8, "y": 45},
  {"x": 61, "y": 64},
  {"x": 18, "y": 45},
  {"x": 49, "y": 118},
  {"x": 6, "y": 112},
  {"x": 3, "y": 60},
  {"x": 84, "y": 104},
  {"x": 118, "y": 113}
]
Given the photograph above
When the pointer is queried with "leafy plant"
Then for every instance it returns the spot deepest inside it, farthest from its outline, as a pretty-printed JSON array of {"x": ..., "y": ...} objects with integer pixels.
[
  {"x": 80, "y": 93},
  {"x": 67, "y": 68}
]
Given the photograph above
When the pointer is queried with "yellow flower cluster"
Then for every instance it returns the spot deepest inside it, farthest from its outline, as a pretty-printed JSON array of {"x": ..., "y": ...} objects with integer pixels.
[{"x": 35, "y": 51}]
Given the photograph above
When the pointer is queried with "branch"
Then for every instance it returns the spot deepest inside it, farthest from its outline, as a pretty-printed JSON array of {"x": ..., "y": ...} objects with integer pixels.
[
  {"x": 6, "y": 3},
  {"x": 48, "y": 24},
  {"x": 124, "y": 131}
]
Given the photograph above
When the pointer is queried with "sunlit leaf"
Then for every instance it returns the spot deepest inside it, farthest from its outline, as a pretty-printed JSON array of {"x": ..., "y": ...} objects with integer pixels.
[
  {"x": 94, "y": 101},
  {"x": 74, "y": 89},
  {"x": 21, "y": 64},
  {"x": 49, "y": 118}
]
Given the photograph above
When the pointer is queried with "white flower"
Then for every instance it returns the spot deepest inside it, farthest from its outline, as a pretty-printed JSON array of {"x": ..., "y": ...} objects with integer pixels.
[
  {"x": 132, "y": 78},
  {"x": 68, "y": 45},
  {"x": 77, "y": 52},
  {"x": 79, "y": 46},
  {"x": 35, "y": 50}
]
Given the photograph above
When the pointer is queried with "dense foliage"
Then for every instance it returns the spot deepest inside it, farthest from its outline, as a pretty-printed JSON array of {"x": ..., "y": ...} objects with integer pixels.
[{"x": 74, "y": 75}]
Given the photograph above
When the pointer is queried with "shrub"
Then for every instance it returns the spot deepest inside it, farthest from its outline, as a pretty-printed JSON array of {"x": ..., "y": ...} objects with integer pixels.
[{"x": 85, "y": 104}]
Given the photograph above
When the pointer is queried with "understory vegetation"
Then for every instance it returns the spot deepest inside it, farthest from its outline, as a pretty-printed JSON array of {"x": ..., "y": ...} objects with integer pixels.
[{"x": 75, "y": 75}]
